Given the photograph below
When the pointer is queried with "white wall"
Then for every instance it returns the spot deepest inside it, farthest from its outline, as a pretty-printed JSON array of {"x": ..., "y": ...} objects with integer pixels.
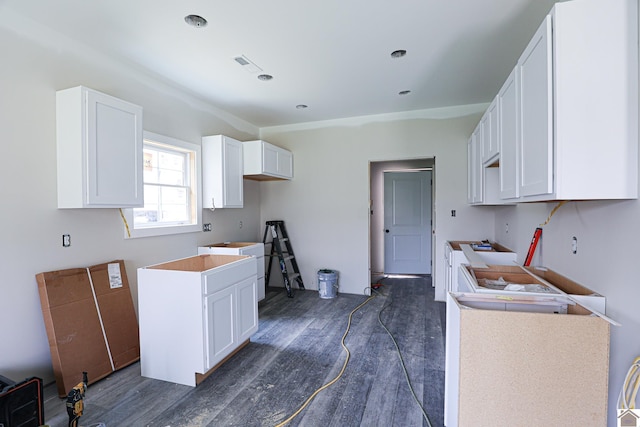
[
  {"x": 32, "y": 226},
  {"x": 326, "y": 205},
  {"x": 606, "y": 262}
]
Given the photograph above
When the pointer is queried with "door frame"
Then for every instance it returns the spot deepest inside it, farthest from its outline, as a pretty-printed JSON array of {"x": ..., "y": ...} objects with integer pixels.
[{"x": 376, "y": 208}]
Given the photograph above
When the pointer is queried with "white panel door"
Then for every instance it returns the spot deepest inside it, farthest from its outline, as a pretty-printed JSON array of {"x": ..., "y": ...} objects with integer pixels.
[
  {"x": 407, "y": 213},
  {"x": 233, "y": 173},
  {"x": 508, "y": 138},
  {"x": 220, "y": 316},
  {"x": 114, "y": 152},
  {"x": 247, "y": 309},
  {"x": 269, "y": 159},
  {"x": 536, "y": 114}
]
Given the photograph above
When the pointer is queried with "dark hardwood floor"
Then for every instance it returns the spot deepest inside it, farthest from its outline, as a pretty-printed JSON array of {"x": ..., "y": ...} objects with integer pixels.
[{"x": 297, "y": 350}]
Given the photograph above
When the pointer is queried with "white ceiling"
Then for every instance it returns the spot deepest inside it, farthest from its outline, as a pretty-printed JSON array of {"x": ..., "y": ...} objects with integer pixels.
[{"x": 332, "y": 55}]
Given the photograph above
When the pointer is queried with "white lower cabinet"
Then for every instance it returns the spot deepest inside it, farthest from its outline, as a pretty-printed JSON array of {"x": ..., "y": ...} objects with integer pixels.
[
  {"x": 454, "y": 257},
  {"x": 231, "y": 318},
  {"x": 517, "y": 362},
  {"x": 193, "y": 313},
  {"x": 541, "y": 282}
]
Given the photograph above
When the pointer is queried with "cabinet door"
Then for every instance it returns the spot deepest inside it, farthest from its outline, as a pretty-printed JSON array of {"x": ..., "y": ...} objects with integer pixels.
[
  {"x": 247, "y": 308},
  {"x": 99, "y": 150},
  {"x": 475, "y": 166},
  {"x": 220, "y": 334},
  {"x": 447, "y": 267},
  {"x": 470, "y": 170},
  {"x": 508, "y": 137},
  {"x": 276, "y": 161},
  {"x": 269, "y": 159},
  {"x": 114, "y": 152},
  {"x": 233, "y": 173},
  {"x": 490, "y": 147},
  {"x": 536, "y": 114},
  {"x": 285, "y": 163}
]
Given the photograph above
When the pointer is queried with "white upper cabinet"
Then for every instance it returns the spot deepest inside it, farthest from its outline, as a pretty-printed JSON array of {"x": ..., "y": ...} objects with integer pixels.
[
  {"x": 99, "y": 150},
  {"x": 264, "y": 161},
  {"x": 567, "y": 116},
  {"x": 578, "y": 106},
  {"x": 483, "y": 149},
  {"x": 222, "y": 172}
]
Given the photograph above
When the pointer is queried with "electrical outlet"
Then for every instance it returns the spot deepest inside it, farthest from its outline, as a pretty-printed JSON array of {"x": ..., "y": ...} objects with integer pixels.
[
  {"x": 506, "y": 228},
  {"x": 66, "y": 240},
  {"x": 206, "y": 227},
  {"x": 574, "y": 245},
  {"x": 240, "y": 224},
  {"x": 453, "y": 212}
]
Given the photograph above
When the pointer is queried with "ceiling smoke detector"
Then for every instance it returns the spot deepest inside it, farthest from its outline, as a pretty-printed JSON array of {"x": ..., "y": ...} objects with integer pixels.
[
  {"x": 398, "y": 53},
  {"x": 265, "y": 77},
  {"x": 195, "y": 21},
  {"x": 404, "y": 92},
  {"x": 301, "y": 106}
]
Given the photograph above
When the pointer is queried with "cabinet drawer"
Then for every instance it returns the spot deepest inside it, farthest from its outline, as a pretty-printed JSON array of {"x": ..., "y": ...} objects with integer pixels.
[{"x": 229, "y": 275}]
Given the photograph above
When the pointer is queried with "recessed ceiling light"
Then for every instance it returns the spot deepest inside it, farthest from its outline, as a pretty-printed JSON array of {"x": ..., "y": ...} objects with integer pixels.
[
  {"x": 195, "y": 21},
  {"x": 265, "y": 77},
  {"x": 301, "y": 106},
  {"x": 398, "y": 53},
  {"x": 404, "y": 92}
]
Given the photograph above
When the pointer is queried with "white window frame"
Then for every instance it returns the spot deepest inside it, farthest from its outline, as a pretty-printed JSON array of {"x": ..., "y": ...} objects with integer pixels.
[{"x": 196, "y": 181}]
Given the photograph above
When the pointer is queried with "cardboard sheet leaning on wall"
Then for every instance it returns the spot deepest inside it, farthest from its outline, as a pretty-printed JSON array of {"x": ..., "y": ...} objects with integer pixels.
[{"x": 90, "y": 322}]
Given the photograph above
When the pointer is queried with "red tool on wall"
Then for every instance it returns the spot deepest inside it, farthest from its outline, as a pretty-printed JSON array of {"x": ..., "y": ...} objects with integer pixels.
[{"x": 532, "y": 247}]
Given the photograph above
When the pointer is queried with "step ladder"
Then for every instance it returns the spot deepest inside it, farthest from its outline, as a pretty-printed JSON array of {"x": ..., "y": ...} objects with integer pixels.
[{"x": 281, "y": 248}]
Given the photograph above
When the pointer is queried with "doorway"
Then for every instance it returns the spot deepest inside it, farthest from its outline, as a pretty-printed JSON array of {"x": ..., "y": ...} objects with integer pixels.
[{"x": 377, "y": 228}]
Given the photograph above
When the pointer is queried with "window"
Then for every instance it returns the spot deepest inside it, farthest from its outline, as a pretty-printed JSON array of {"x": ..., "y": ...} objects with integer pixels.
[{"x": 171, "y": 189}]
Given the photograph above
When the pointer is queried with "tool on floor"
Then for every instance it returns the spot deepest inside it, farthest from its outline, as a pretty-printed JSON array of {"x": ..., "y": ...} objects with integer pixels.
[
  {"x": 280, "y": 238},
  {"x": 75, "y": 401}
]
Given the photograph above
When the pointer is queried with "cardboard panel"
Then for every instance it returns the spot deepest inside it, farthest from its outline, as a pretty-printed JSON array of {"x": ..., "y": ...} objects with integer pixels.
[
  {"x": 118, "y": 314},
  {"x": 75, "y": 326},
  {"x": 551, "y": 369}
]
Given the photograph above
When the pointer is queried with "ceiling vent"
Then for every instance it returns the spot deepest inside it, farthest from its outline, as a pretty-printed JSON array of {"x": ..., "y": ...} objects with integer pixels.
[{"x": 249, "y": 66}]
